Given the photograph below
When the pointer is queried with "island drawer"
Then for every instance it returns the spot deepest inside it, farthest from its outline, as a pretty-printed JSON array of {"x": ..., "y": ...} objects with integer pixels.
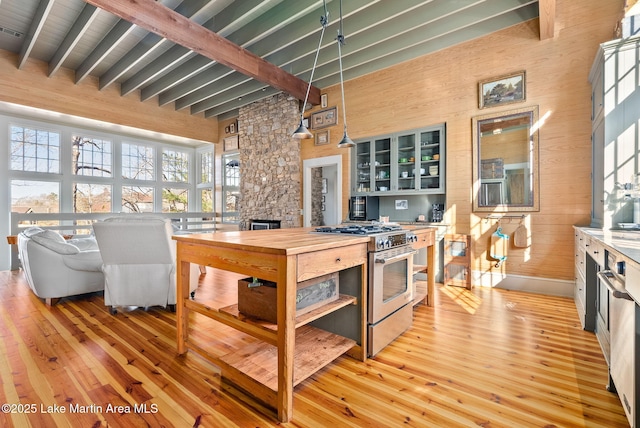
[
  {"x": 425, "y": 238},
  {"x": 318, "y": 263}
]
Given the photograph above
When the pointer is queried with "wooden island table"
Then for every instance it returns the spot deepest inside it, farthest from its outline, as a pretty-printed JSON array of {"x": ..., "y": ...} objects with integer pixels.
[{"x": 292, "y": 349}]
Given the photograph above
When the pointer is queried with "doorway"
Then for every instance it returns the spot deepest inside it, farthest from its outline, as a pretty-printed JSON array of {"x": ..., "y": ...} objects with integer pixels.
[{"x": 332, "y": 189}]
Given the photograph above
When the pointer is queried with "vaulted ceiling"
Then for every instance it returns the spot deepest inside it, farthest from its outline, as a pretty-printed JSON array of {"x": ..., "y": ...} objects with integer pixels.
[{"x": 212, "y": 57}]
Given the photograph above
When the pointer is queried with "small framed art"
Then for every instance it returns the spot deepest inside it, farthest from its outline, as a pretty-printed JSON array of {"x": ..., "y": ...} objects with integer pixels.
[
  {"x": 230, "y": 143},
  {"x": 502, "y": 90},
  {"x": 324, "y": 118},
  {"x": 322, "y": 137}
]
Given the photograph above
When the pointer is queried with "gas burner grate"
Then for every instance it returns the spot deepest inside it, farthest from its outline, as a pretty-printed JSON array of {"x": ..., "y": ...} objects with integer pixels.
[{"x": 359, "y": 229}]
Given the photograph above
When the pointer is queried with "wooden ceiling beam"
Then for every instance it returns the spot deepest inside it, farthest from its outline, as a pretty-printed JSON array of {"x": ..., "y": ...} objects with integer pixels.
[
  {"x": 547, "y": 18},
  {"x": 169, "y": 24}
]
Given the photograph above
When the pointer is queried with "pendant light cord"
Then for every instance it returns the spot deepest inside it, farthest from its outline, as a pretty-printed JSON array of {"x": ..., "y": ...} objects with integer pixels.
[
  {"x": 324, "y": 20},
  {"x": 340, "y": 43}
]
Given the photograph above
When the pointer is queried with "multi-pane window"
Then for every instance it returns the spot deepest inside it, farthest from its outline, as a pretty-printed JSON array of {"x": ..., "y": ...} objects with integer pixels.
[
  {"x": 232, "y": 171},
  {"x": 206, "y": 174},
  {"x": 137, "y": 162},
  {"x": 230, "y": 188},
  {"x": 35, "y": 150},
  {"x": 71, "y": 170},
  {"x": 137, "y": 199},
  {"x": 91, "y": 198},
  {"x": 91, "y": 157},
  {"x": 175, "y": 166}
]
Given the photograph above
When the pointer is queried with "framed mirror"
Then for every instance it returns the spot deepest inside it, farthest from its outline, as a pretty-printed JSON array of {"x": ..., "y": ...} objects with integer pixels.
[{"x": 505, "y": 161}]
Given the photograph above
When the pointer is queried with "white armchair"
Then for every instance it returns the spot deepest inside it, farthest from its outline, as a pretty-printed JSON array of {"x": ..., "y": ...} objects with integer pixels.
[
  {"x": 139, "y": 259},
  {"x": 55, "y": 268}
]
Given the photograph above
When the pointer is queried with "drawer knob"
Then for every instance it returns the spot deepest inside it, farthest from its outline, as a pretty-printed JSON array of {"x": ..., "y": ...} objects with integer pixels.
[{"x": 338, "y": 259}]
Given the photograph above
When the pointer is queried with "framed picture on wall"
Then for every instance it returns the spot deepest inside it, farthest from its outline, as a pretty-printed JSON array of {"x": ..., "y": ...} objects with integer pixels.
[
  {"x": 322, "y": 137},
  {"x": 230, "y": 143},
  {"x": 324, "y": 118},
  {"x": 502, "y": 90}
]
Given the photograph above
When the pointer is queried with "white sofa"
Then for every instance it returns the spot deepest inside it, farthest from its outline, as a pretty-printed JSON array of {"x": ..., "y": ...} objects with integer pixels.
[
  {"x": 138, "y": 257},
  {"x": 55, "y": 268}
]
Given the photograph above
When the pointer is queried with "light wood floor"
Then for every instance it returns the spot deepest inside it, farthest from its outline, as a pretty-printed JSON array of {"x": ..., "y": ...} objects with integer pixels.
[{"x": 484, "y": 357}]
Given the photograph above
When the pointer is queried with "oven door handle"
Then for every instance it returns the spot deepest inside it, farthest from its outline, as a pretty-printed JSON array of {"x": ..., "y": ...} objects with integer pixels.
[
  {"x": 609, "y": 279},
  {"x": 396, "y": 258}
]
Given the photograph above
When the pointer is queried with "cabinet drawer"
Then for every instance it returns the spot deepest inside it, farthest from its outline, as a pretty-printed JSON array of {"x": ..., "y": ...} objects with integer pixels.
[
  {"x": 595, "y": 249},
  {"x": 425, "y": 238},
  {"x": 317, "y": 263}
]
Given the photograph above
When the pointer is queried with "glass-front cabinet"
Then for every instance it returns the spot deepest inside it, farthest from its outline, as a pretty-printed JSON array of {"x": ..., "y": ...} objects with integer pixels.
[{"x": 402, "y": 163}]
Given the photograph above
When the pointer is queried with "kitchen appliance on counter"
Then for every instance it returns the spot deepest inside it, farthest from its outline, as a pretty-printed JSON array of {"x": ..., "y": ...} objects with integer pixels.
[
  {"x": 390, "y": 285},
  {"x": 623, "y": 316},
  {"x": 364, "y": 208},
  {"x": 437, "y": 210}
]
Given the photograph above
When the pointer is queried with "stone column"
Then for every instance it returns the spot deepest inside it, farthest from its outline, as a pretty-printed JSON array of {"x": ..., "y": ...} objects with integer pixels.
[{"x": 270, "y": 165}]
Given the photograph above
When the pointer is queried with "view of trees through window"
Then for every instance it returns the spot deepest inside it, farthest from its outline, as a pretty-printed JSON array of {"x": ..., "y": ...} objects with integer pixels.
[
  {"x": 37, "y": 180},
  {"x": 35, "y": 150},
  {"x": 29, "y": 196}
]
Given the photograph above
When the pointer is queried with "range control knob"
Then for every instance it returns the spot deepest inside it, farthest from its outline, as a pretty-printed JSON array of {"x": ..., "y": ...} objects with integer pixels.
[
  {"x": 380, "y": 244},
  {"x": 411, "y": 237}
]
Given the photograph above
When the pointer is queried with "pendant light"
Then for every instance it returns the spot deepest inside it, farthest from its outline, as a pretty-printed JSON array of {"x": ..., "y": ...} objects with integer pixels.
[
  {"x": 302, "y": 132},
  {"x": 346, "y": 142}
]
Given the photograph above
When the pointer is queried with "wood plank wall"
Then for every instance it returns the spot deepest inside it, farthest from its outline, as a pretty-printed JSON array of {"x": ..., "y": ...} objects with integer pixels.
[
  {"x": 30, "y": 86},
  {"x": 443, "y": 87}
]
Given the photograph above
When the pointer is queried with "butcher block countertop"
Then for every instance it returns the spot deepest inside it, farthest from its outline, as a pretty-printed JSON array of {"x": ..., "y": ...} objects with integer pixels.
[{"x": 276, "y": 241}]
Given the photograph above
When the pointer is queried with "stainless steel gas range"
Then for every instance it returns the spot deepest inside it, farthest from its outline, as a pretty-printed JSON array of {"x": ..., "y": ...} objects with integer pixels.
[{"x": 390, "y": 286}]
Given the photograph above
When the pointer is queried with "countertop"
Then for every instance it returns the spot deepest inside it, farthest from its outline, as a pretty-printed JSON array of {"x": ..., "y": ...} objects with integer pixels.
[
  {"x": 275, "y": 241},
  {"x": 625, "y": 242}
]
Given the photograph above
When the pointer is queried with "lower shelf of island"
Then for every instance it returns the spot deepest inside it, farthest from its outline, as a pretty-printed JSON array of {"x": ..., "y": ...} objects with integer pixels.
[{"x": 254, "y": 368}]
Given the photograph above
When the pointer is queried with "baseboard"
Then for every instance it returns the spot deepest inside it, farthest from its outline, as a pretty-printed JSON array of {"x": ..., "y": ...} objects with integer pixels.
[{"x": 532, "y": 284}]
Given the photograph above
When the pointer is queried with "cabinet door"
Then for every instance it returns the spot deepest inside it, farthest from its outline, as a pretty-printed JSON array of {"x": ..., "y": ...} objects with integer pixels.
[
  {"x": 597, "y": 95},
  {"x": 362, "y": 167},
  {"x": 597, "y": 175},
  {"x": 431, "y": 166},
  {"x": 382, "y": 165},
  {"x": 405, "y": 175}
]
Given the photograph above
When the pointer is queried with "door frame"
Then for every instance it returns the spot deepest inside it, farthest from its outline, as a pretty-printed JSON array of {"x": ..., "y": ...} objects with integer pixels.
[{"x": 307, "y": 166}]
